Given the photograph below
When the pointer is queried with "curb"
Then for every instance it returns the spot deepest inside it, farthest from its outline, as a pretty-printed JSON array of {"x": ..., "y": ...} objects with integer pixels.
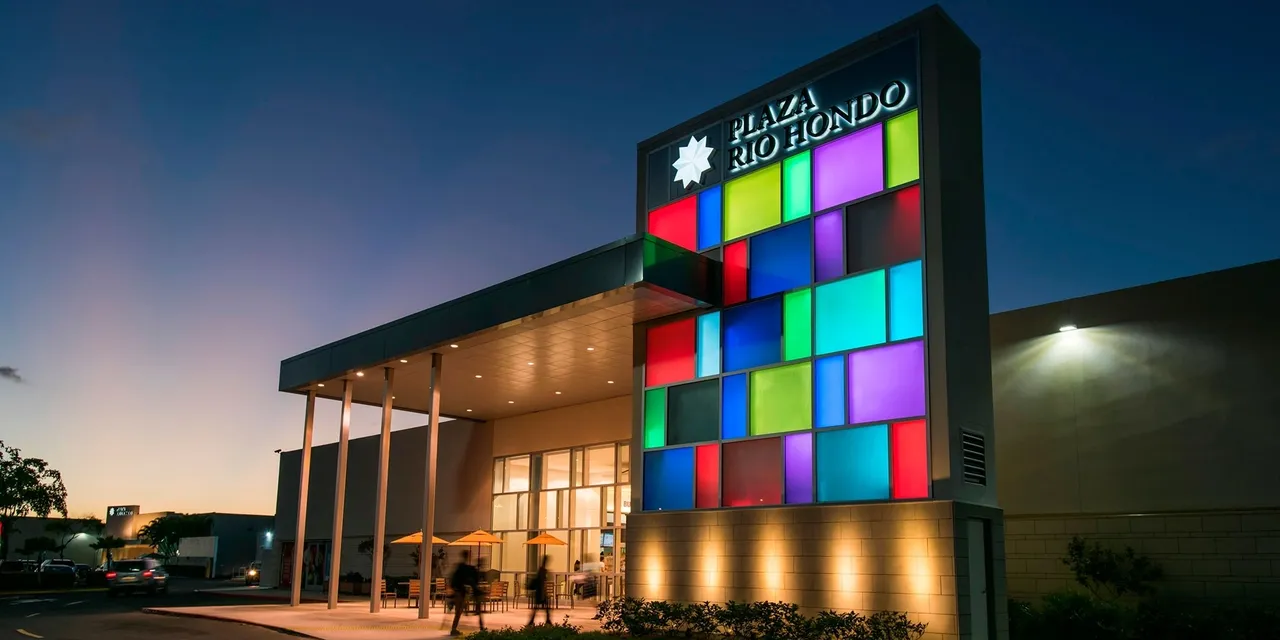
[
  {"x": 202, "y": 616},
  {"x": 269, "y": 598},
  {"x": 50, "y": 592}
]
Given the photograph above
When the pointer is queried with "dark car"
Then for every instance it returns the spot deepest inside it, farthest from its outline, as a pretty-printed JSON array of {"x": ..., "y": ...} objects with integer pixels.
[
  {"x": 253, "y": 573},
  {"x": 145, "y": 574},
  {"x": 57, "y": 573}
]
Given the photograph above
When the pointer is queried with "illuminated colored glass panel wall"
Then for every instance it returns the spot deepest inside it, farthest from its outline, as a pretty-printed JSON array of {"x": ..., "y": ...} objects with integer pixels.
[{"x": 808, "y": 385}]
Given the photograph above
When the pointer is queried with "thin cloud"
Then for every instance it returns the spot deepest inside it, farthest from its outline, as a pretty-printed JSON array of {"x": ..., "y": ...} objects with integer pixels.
[{"x": 11, "y": 374}]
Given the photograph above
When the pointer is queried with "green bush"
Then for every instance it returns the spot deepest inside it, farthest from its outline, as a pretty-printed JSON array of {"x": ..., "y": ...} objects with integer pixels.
[{"x": 640, "y": 618}]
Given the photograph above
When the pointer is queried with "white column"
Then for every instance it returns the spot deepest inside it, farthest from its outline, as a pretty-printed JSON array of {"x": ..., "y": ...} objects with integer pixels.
[
  {"x": 340, "y": 493},
  {"x": 304, "y": 482},
  {"x": 429, "y": 489},
  {"x": 380, "y": 522}
]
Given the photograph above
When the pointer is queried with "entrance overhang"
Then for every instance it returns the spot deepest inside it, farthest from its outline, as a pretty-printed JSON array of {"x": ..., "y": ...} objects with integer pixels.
[{"x": 557, "y": 336}]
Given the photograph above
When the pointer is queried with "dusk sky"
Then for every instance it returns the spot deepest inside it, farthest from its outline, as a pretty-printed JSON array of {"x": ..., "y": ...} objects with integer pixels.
[{"x": 192, "y": 191}]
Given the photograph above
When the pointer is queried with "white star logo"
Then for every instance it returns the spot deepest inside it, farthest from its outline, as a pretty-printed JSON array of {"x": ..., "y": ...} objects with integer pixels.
[{"x": 694, "y": 159}]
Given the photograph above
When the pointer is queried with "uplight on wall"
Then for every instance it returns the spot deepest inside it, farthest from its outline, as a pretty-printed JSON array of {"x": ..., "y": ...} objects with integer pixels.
[{"x": 1066, "y": 327}]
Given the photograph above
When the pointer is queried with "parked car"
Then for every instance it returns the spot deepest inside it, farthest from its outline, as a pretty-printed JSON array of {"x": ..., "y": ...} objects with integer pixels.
[
  {"x": 82, "y": 574},
  {"x": 253, "y": 573},
  {"x": 144, "y": 574},
  {"x": 57, "y": 573}
]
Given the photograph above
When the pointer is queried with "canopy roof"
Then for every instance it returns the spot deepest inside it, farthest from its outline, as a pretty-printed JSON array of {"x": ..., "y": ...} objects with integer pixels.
[{"x": 572, "y": 320}]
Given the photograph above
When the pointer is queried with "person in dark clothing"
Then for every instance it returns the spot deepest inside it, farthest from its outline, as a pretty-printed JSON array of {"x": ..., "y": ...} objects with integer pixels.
[
  {"x": 538, "y": 585},
  {"x": 465, "y": 580}
]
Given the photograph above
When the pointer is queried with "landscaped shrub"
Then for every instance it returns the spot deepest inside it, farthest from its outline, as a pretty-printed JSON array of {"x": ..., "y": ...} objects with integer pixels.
[{"x": 639, "y": 618}]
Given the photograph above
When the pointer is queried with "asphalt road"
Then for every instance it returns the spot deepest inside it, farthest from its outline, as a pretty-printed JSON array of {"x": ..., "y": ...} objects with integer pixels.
[{"x": 94, "y": 616}]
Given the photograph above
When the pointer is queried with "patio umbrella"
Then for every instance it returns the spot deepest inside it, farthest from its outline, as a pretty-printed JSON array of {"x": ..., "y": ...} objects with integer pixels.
[
  {"x": 416, "y": 538},
  {"x": 477, "y": 537},
  {"x": 546, "y": 540}
]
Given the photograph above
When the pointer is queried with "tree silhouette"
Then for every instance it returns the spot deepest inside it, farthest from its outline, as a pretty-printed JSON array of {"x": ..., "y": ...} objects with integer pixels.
[{"x": 28, "y": 486}]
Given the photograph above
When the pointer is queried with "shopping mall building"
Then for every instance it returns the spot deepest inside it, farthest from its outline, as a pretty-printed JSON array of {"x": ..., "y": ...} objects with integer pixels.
[{"x": 781, "y": 387}]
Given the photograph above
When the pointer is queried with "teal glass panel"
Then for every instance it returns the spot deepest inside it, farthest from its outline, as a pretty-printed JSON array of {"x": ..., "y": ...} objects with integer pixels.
[
  {"x": 709, "y": 344},
  {"x": 850, "y": 313},
  {"x": 906, "y": 301},
  {"x": 853, "y": 464}
]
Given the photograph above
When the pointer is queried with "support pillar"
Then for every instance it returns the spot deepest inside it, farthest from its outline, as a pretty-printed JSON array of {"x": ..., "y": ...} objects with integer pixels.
[
  {"x": 380, "y": 522},
  {"x": 340, "y": 493},
  {"x": 429, "y": 490},
  {"x": 304, "y": 482}
]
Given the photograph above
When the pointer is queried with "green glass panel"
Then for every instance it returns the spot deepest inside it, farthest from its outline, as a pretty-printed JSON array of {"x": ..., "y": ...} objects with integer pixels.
[
  {"x": 850, "y": 313},
  {"x": 797, "y": 324},
  {"x": 902, "y": 149},
  {"x": 796, "y": 187},
  {"x": 781, "y": 399},
  {"x": 655, "y": 418},
  {"x": 753, "y": 202}
]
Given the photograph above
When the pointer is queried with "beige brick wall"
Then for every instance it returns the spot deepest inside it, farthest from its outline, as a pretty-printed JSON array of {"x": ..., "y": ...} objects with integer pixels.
[
  {"x": 1223, "y": 554},
  {"x": 908, "y": 557}
]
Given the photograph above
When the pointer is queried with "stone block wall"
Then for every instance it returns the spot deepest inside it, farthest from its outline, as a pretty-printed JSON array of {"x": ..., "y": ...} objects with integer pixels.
[
  {"x": 1205, "y": 554},
  {"x": 908, "y": 557}
]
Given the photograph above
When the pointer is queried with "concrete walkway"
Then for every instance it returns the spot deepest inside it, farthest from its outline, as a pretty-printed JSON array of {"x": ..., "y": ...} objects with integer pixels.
[{"x": 352, "y": 620}]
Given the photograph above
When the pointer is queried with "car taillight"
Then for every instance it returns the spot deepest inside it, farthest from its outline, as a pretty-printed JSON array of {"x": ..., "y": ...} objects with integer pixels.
[
  {"x": 146, "y": 574},
  {"x": 111, "y": 575}
]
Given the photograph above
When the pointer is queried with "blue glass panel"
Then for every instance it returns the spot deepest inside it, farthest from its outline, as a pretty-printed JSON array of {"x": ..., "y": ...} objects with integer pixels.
[
  {"x": 709, "y": 218},
  {"x": 668, "y": 479},
  {"x": 853, "y": 464},
  {"x": 752, "y": 334},
  {"x": 828, "y": 387},
  {"x": 780, "y": 260},
  {"x": 906, "y": 301},
  {"x": 733, "y": 407},
  {"x": 709, "y": 344}
]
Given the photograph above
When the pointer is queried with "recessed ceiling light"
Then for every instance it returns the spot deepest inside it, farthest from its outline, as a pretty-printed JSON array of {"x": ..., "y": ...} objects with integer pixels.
[
  {"x": 320, "y": 385},
  {"x": 511, "y": 402},
  {"x": 610, "y": 382},
  {"x": 530, "y": 364},
  {"x": 557, "y": 393},
  {"x": 403, "y": 361},
  {"x": 453, "y": 346},
  {"x": 468, "y": 411},
  {"x": 393, "y": 397},
  {"x": 478, "y": 375},
  {"x": 1067, "y": 327},
  {"x": 360, "y": 374},
  {"x": 591, "y": 348}
]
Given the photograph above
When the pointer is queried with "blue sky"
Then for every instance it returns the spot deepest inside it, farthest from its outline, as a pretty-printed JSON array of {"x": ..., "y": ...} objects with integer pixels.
[{"x": 192, "y": 191}]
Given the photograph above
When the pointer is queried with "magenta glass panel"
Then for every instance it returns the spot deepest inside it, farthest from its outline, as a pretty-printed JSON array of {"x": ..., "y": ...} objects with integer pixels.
[
  {"x": 828, "y": 246},
  {"x": 887, "y": 383},
  {"x": 848, "y": 168},
  {"x": 797, "y": 451}
]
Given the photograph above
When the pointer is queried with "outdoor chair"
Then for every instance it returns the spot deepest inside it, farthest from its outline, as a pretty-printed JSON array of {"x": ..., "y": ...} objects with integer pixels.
[
  {"x": 389, "y": 594},
  {"x": 442, "y": 593},
  {"x": 497, "y": 596},
  {"x": 415, "y": 592},
  {"x": 557, "y": 590}
]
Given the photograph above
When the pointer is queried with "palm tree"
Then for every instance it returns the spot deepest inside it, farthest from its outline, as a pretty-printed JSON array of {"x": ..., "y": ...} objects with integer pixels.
[{"x": 107, "y": 543}]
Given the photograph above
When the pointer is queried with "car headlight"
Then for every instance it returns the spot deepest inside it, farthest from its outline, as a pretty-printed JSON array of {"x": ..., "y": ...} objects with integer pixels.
[{"x": 253, "y": 572}]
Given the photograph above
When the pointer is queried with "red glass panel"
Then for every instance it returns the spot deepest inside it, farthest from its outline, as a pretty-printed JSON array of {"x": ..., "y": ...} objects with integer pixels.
[
  {"x": 752, "y": 473},
  {"x": 735, "y": 272},
  {"x": 708, "y": 476},
  {"x": 676, "y": 223},
  {"x": 909, "y": 443},
  {"x": 669, "y": 353}
]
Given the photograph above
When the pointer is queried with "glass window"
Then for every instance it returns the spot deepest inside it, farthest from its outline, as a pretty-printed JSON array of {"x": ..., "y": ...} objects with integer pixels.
[
  {"x": 586, "y": 507},
  {"x": 511, "y": 557},
  {"x": 626, "y": 502},
  {"x": 559, "y": 554},
  {"x": 505, "y": 513},
  {"x": 578, "y": 467},
  {"x": 600, "y": 465},
  {"x": 555, "y": 470},
  {"x": 624, "y": 463},
  {"x": 609, "y": 510},
  {"x": 517, "y": 474},
  {"x": 497, "y": 476},
  {"x": 550, "y": 504},
  {"x": 522, "y": 512}
]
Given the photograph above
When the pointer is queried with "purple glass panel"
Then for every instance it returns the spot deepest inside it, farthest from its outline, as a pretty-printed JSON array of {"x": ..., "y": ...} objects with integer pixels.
[
  {"x": 828, "y": 246},
  {"x": 798, "y": 454},
  {"x": 848, "y": 168},
  {"x": 887, "y": 383}
]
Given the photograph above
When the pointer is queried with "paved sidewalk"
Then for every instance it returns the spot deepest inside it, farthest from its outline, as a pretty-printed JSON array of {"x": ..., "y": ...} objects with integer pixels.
[{"x": 352, "y": 620}]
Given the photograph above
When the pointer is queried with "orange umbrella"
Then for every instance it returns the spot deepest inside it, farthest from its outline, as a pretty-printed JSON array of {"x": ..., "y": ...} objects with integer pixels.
[
  {"x": 416, "y": 538},
  {"x": 477, "y": 537}
]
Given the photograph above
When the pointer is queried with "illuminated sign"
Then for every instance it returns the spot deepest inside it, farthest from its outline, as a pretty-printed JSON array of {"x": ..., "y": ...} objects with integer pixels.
[
  {"x": 797, "y": 119},
  {"x": 115, "y": 512}
]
